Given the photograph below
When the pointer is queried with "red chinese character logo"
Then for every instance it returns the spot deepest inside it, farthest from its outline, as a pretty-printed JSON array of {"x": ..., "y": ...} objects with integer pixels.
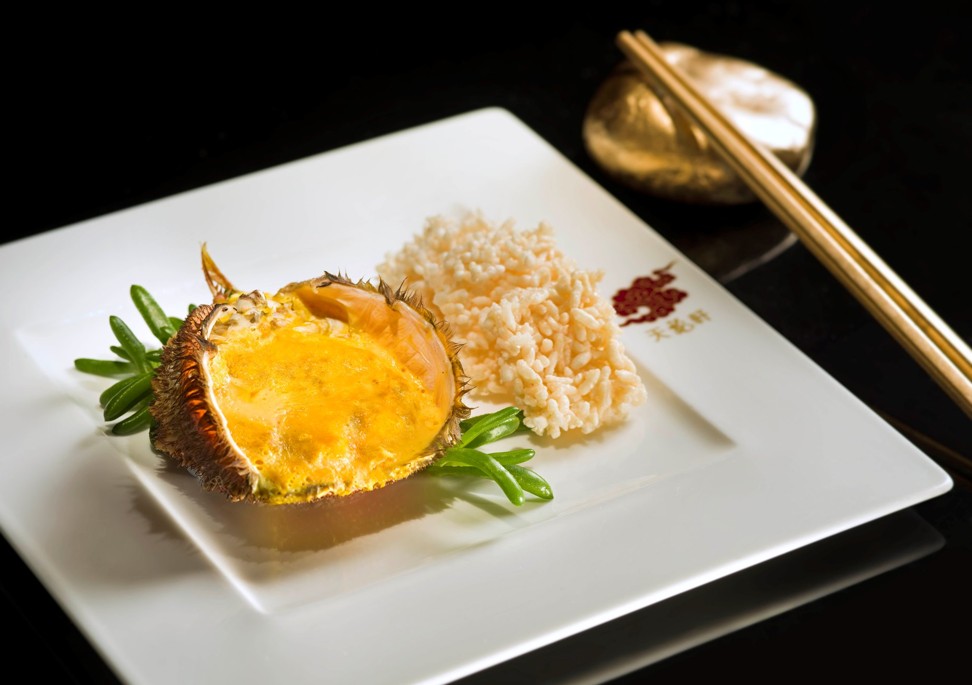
[{"x": 648, "y": 293}]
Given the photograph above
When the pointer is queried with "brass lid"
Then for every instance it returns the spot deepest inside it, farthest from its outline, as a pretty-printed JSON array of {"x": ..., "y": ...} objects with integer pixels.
[{"x": 645, "y": 142}]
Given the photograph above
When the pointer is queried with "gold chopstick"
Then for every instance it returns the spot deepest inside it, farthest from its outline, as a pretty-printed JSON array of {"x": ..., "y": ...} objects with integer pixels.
[{"x": 916, "y": 327}]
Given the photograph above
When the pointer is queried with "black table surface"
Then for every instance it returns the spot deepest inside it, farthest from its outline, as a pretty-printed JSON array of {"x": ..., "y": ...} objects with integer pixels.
[{"x": 118, "y": 118}]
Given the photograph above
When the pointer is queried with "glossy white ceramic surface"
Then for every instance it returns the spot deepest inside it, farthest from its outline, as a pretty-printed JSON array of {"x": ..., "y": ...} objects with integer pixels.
[{"x": 745, "y": 449}]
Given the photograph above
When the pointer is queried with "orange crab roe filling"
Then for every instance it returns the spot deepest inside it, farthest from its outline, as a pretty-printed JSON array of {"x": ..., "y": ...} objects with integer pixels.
[{"x": 319, "y": 411}]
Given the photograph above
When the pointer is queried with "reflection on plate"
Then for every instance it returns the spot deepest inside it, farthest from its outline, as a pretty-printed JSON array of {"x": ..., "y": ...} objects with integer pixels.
[
  {"x": 745, "y": 450},
  {"x": 652, "y": 634}
]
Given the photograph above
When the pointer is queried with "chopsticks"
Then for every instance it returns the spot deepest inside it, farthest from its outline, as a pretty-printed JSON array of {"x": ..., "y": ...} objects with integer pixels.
[{"x": 935, "y": 346}]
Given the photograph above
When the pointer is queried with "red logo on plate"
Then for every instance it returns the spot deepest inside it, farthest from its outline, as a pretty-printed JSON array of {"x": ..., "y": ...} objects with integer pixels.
[{"x": 650, "y": 295}]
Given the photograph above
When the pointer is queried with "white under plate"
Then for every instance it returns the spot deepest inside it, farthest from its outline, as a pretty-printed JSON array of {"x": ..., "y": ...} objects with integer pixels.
[{"x": 745, "y": 449}]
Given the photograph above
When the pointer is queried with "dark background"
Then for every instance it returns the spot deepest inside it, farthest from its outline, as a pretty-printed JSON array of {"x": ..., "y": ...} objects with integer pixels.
[{"x": 109, "y": 112}]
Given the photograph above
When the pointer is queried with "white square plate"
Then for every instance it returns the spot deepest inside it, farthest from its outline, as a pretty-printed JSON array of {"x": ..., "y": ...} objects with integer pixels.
[{"x": 745, "y": 449}]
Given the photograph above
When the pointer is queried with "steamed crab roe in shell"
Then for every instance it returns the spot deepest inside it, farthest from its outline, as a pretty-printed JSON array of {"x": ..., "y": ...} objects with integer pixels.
[{"x": 327, "y": 388}]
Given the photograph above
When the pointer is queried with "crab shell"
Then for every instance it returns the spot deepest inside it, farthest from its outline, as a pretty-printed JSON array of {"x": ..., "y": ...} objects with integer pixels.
[{"x": 327, "y": 388}]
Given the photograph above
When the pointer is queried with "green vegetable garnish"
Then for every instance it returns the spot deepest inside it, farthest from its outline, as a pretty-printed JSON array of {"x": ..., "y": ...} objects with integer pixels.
[
  {"x": 126, "y": 402},
  {"x": 128, "y": 399},
  {"x": 463, "y": 459}
]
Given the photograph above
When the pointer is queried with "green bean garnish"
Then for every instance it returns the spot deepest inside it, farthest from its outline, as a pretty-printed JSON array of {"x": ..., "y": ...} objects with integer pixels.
[
  {"x": 114, "y": 389},
  {"x": 493, "y": 469},
  {"x": 160, "y": 324},
  {"x": 486, "y": 423},
  {"x": 134, "y": 367},
  {"x": 465, "y": 460},
  {"x": 513, "y": 456},
  {"x": 128, "y": 397},
  {"x": 133, "y": 347},
  {"x": 138, "y": 421},
  {"x": 531, "y": 481},
  {"x": 104, "y": 367}
]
